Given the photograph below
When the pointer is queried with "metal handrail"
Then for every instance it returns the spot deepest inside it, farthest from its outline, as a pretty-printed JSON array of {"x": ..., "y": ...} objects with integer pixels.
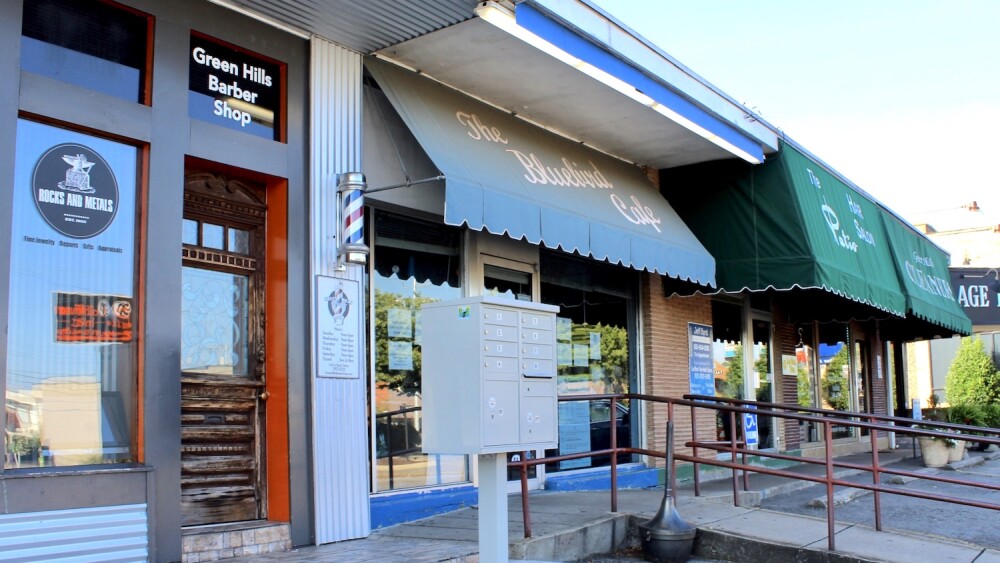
[
  {"x": 737, "y": 449},
  {"x": 391, "y": 454}
]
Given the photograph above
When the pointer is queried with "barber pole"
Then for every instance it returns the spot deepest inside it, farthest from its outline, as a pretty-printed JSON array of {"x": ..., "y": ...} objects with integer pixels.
[
  {"x": 354, "y": 217},
  {"x": 351, "y": 186}
]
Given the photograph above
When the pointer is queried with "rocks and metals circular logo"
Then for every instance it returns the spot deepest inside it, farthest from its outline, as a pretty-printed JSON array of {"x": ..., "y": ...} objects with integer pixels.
[{"x": 75, "y": 190}]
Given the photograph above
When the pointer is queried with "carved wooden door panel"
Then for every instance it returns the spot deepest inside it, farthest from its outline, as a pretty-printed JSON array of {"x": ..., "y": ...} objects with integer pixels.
[{"x": 222, "y": 351}]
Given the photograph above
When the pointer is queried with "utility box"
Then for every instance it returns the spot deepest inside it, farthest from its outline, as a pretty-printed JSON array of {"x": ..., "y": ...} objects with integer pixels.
[{"x": 488, "y": 376}]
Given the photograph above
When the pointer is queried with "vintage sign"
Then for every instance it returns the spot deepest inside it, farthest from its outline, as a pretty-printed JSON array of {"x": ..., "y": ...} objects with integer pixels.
[
  {"x": 701, "y": 369},
  {"x": 75, "y": 190},
  {"x": 977, "y": 291},
  {"x": 338, "y": 345},
  {"x": 92, "y": 319},
  {"x": 234, "y": 88}
]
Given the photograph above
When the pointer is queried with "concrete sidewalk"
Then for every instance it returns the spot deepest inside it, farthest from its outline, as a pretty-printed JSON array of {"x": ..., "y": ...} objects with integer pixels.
[{"x": 568, "y": 526}]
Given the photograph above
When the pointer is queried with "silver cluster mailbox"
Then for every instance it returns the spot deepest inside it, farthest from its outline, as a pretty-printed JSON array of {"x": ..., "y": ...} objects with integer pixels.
[{"x": 488, "y": 376}]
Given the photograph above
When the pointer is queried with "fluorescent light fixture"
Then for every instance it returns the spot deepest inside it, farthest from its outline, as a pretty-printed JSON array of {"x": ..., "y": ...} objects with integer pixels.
[
  {"x": 229, "y": 5},
  {"x": 503, "y": 18}
]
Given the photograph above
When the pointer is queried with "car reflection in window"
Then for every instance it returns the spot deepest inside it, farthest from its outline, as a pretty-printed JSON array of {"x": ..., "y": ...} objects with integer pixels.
[{"x": 600, "y": 429}]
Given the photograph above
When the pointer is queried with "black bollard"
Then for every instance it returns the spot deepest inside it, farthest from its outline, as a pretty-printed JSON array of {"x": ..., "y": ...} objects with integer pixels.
[{"x": 666, "y": 537}]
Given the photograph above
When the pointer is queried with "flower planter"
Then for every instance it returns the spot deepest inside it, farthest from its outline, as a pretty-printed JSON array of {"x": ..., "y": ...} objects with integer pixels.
[
  {"x": 935, "y": 452},
  {"x": 956, "y": 453}
]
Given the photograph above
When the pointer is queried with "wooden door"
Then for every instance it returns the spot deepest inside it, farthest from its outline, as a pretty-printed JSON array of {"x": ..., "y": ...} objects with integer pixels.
[{"x": 222, "y": 351}]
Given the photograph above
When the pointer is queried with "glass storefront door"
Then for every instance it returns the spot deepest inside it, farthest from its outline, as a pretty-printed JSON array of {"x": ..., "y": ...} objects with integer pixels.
[
  {"x": 761, "y": 370},
  {"x": 835, "y": 378},
  {"x": 508, "y": 279},
  {"x": 595, "y": 355}
]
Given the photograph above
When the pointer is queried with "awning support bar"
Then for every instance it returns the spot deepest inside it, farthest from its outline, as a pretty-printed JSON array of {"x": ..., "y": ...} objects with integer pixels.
[{"x": 405, "y": 184}]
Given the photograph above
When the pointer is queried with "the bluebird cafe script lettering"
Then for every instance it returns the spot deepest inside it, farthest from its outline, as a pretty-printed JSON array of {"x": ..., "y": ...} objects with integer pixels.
[{"x": 565, "y": 173}]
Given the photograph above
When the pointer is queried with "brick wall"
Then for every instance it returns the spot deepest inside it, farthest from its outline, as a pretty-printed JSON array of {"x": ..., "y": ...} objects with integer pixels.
[
  {"x": 880, "y": 387},
  {"x": 785, "y": 338},
  {"x": 665, "y": 354}
]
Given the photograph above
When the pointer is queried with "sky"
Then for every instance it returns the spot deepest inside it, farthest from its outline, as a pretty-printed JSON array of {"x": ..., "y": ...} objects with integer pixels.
[{"x": 900, "y": 96}]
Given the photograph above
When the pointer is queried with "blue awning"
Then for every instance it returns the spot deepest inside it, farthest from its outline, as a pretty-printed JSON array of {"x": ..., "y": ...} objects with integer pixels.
[
  {"x": 506, "y": 176},
  {"x": 570, "y": 41}
]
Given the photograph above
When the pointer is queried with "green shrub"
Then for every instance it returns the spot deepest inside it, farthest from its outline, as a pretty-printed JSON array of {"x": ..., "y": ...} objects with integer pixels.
[
  {"x": 972, "y": 377},
  {"x": 991, "y": 415},
  {"x": 968, "y": 414}
]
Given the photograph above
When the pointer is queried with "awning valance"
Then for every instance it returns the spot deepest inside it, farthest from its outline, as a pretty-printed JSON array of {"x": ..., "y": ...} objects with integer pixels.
[
  {"x": 923, "y": 271},
  {"x": 507, "y": 176},
  {"x": 787, "y": 223}
]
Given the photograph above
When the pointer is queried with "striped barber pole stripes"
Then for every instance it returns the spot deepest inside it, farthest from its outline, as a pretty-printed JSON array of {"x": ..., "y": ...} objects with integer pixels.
[
  {"x": 351, "y": 187},
  {"x": 354, "y": 216}
]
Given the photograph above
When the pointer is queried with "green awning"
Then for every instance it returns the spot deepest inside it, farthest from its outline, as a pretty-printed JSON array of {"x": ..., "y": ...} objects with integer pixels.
[
  {"x": 785, "y": 224},
  {"x": 923, "y": 270}
]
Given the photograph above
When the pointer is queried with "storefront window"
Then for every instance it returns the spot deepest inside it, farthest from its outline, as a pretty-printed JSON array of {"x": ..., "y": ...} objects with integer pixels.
[
  {"x": 70, "y": 366},
  {"x": 593, "y": 341},
  {"x": 805, "y": 383},
  {"x": 414, "y": 263},
  {"x": 90, "y": 44},
  {"x": 762, "y": 379},
  {"x": 835, "y": 373},
  {"x": 727, "y": 362}
]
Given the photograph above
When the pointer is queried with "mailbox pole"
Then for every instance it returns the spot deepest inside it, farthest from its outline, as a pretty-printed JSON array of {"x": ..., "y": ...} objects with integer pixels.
[{"x": 493, "y": 532}]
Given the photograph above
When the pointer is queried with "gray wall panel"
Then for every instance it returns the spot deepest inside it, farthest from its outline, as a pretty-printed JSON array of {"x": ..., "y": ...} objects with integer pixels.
[
  {"x": 82, "y": 106},
  {"x": 219, "y": 144},
  {"x": 10, "y": 54},
  {"x": 162, "y": 304},
  {"x": 171, "y": 135},
  {"x": 113, "y": 533},
  {"x": 340, "y": 427},
  {"x": 65, "y": 491}
]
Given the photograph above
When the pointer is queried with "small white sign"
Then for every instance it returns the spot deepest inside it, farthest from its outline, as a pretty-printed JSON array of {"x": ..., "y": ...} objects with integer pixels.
[
  {"x": 399, "y": 323},
  {"x": 789, "y": 365},
  {"x": 338, "y": 348}
]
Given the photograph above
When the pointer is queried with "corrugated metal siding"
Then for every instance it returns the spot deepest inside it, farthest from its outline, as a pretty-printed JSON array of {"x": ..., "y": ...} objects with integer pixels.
[
  {"x": 108, "y": 533},
  {"x": 364, "y": 26},
  {"x": 340, "y": 427}
]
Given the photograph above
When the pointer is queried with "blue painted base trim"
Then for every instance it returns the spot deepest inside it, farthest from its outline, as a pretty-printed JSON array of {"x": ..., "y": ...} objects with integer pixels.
[
  {"x": 632, "y": 476},
  {"x": 388, "y": 510}
]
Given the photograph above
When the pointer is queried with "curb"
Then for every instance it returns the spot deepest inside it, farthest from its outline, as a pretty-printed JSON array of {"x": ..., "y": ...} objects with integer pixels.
[
  {"x": 605, "y": 535},
  {"x": 752, "y": 499},
  {"x": 724, "y": 546}
]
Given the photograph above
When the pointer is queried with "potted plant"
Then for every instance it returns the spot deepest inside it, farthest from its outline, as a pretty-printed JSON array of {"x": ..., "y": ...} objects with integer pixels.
[{"x": 936, "y": 451}]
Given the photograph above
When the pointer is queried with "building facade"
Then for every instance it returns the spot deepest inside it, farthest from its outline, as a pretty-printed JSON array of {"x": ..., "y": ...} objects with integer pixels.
[{"x": 214, "y": 345}]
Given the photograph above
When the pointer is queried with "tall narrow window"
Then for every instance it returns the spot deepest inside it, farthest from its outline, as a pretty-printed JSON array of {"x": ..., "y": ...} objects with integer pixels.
[
  {"x": 70, "y": 366},
  {"x": 835, "y": 373},
  {"x": 594, "y": 338},
  {"x": 727, "y": 361},
  {"x": 414, "y": 263},
  {"x": 92, "y": 44}
]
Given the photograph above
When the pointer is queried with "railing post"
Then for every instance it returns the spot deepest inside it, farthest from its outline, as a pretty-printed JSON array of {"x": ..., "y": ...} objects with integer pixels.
[
  {"x": 732, "y": 453},
  {"x": 828, "y": 446},
  {"x": 694, "y": 450},
  {"x": 391, "y": 454},
  {"x": 614, "y": 454},
  {"x": 525, "y": 511},
  {"x": 876, "y": 477}
]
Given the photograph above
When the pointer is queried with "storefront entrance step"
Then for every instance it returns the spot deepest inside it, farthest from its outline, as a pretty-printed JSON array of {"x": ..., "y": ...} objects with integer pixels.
[{"x": 235, "y": 539}]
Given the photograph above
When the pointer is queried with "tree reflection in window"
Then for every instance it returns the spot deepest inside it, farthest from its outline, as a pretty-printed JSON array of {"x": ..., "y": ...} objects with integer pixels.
[{"x": 414, "y": 263}]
